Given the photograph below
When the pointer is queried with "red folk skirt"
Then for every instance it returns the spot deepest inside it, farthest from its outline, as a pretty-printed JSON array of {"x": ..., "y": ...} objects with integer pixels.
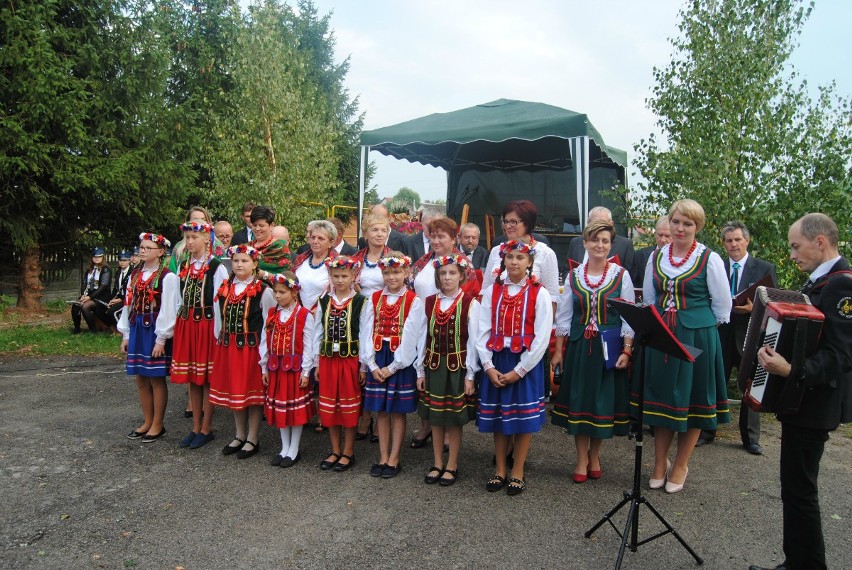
[
  {"x": 339, "y": 391},
  {"x": 286, "y": 403},
  {"x": 237, "y": 380},
  {"x": 192, "y": 351}
]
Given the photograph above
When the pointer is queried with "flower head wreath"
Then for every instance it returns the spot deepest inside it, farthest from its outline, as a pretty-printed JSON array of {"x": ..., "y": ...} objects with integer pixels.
[
  {"x": 342, "y": 262},
  {"x": 156, "y": 238},
  {"x": 393, "y": 261},
  {"x": 289, "y": 282},
  {"x": 243, "y": 248},
  {"x": 516, "y": 245},
  {"x": 196, "y": 227},
  {"x": 445, "y": 260}
]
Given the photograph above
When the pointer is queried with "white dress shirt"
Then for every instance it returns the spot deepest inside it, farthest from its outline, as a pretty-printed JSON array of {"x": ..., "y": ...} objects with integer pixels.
[{"x": 545, "y": 267}]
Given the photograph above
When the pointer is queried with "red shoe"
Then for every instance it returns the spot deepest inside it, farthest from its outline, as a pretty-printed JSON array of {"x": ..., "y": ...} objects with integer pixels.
[
  {"x": 595, "y": 474},
  {"x": 580, "y": 477}
]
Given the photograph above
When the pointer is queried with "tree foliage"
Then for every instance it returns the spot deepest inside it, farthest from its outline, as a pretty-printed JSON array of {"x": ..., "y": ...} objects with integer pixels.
[
  {"x": 740, "y": 132},
  {"x": 405, "y": 200},
  {"x": 119, "y": 114}
]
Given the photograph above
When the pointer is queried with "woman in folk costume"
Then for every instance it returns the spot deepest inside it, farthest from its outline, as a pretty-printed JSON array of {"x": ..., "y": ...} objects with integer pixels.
[
  {"x": 237, "y": 379},
  {"x": 391, "y": 384},
  {"x": 593, "y": 401},
  {"x": 689, "y": 286},
  {"x": 310, "y": 266},
  {"x": 201, "y": 275},
  {"x": 447, "y": 363},
  {"x": 274, "y": 252},
  {"x": 146, "y": 325},
  {"x": 286, "y": 367}
]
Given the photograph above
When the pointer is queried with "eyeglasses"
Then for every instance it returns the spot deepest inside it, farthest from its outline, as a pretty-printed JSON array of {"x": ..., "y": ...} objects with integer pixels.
[
  {"x": 510, "y": 223},
  {"x": 146, "y": 248}
]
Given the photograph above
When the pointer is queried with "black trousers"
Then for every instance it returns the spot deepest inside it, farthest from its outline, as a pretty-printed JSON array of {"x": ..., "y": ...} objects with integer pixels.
[{"x": 801, "y": 451}]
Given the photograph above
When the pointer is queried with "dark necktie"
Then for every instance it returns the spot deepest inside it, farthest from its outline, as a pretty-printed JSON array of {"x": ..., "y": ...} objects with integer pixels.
[
  {"x": 735, "y": 275},
  {"x": 807, "y": 286}
]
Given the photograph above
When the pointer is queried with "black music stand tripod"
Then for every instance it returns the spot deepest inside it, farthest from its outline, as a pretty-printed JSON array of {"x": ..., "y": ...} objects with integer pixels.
[{"x": 649, "y": 330}]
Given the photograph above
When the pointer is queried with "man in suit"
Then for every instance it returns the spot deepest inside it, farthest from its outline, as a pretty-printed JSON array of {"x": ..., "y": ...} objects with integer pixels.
[
  {"x": 662, "y": 236},
  {"x": 245, "y": 234},
  {"x": 468, "y": 241},
  {"x": 224, "y": 233},
  {"x": 621, "y": 247},
  {"x": 417, "y": 245},
  {"x": 827, "y": 379},
  {"x": 744, "y": 270}
]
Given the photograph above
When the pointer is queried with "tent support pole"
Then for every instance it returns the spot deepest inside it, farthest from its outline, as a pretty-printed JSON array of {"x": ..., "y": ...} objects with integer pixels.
[{"x": 362, "y": 181}]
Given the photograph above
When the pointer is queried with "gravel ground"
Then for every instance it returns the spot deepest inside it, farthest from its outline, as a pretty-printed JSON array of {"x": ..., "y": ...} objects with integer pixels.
[{"x": 77, "y": 494}]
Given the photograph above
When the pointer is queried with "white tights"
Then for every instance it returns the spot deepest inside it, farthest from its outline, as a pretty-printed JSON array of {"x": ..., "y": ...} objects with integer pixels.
[{"x": 290, "y": 437}]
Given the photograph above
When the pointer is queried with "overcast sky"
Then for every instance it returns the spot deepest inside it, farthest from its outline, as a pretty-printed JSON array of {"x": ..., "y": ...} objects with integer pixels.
[{"x": 410, "y": 59}]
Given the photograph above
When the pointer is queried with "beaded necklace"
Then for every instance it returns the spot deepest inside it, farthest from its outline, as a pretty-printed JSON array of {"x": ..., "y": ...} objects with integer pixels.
[
  {"x": 677, "y": 264},
  {"x": 250, "y": 290},
  {"x": 312, "y": 266},
  {"x": 264, "y": 245},
  {"x": 589, "y": 284},
  {"x": 442, "y": 317}
]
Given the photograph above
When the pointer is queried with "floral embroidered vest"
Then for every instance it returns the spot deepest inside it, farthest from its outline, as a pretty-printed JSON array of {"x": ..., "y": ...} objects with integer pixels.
[
  {"x": 341, "y": 324},
  {"x": 285, "y": 341},
  {"x": 513, "y": 317},
  {"x": 446, "y": 333},
  {"x": 197, "y": 290},
  {"x": 390, "y": 319}
]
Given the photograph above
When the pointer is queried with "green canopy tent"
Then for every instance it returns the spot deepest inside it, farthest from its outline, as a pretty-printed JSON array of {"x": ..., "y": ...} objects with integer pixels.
[{"x": 506, "y": 150}]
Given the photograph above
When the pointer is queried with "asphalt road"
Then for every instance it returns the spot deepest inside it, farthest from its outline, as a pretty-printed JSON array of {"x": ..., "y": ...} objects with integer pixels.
[{"x": 78, "y": 494}]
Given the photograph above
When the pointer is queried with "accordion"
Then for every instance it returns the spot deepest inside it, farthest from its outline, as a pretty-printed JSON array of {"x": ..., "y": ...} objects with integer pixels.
[{"x": 787, "y": 322}]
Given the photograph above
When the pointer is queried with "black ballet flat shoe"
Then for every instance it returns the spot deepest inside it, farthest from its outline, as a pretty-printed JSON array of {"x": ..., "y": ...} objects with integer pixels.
[
  {"x": 445, "y": 481},
  {"x": 187, "y": 440},
  {"x": 136, "y": 434},
  {"x": 187, "y": 413},
  {"x": 325, "y": 464},
  {"x": 420, "y": 443},
  {"x": 276, "y": 461},
  {"x": 430, "y": 479},
  {"x": 290, "y": 461},
  {"x": 374, "y": 438},
  {"x": 516, "y": 487},
  {"x": 232, "y": 449},
  {"x": 376, "y": 469},
  {"x": 390, "y": 472},
  {"x": 148, "y": 438},
  {"x": 345, "y": 466},
  {"x": 362, "y": 436},
  {"x": 246, "y": 453},
  {"x": 496, "y": 483}
]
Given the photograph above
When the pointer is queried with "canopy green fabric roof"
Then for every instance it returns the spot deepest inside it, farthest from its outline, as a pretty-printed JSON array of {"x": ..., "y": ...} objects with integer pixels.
[{"x": 530, "y": 136}]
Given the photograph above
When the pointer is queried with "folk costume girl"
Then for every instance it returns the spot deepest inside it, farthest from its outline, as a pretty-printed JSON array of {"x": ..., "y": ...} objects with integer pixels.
[
  {"x": 179, "y": 254},
  {"x": 146, "y": 326},
  {"x": 514, "y": 332},
  {"x": 343, "y": 337},
  {"x": 201, "y": 275},
  {"x": 368, "y": 280},
  {"x": 237, "y": 382},
  {"x": 689, "y": 286},
  {"x": 446, "y": 363},
  {"x": 286, "y": 367},
  {"x": 593, "y": 400},
  {"x": 391, "y": 385}
]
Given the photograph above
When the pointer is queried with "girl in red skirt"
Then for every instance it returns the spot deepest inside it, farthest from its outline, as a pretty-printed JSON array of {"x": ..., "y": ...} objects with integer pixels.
[
  {"x": 343, "y": 338},
  {"x": 287, "y": 366},
  {"x": 237, "y": 382},
  {"x": 201, "y": 275}
]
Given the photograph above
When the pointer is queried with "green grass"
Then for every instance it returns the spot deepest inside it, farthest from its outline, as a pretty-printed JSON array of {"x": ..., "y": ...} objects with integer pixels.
[{"x": 41, "y": 339}]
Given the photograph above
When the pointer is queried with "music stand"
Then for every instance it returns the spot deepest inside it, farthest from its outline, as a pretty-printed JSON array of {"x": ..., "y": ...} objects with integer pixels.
[{"x": 649, "y": 331}]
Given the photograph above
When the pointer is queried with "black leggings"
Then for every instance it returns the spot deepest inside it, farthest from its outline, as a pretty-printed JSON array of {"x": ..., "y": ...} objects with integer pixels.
[{"x": 86, "y": 311}]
